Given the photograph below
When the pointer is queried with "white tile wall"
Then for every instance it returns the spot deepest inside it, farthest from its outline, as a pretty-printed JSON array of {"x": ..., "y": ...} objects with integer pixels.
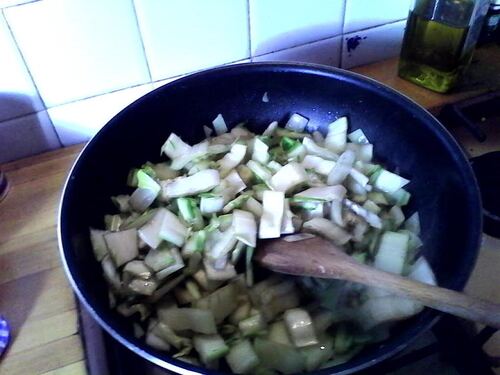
[
  {"x": 325, "y": 52},
  {"x": 362, "y": 14},
  {"x": 182, "y": 36},
  {"x": 79, "y": 48},
  {"x": 18, "y": 95},
  {"x": 279, "y": 24},
  {"x": 378, "y": 43},
  {"x": 77, "y": 122},
  {"x": 82, "y": 61},
  {"x": 25, "y": 136}
]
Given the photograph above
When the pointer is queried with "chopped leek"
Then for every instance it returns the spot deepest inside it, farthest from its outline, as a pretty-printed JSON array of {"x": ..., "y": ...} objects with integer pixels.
[
  {"x": 242, "y": 358},
  {"x": 122, "y": 246},
  {"x": 336, "y": 138},
  {"x": 273, "y": 204},
  {"x": 288, "y": 177},
  {"x": 184, "y": 186},
  {"x": 212, "y": 200},
  {"x": 392, "y": 252},
  {"x": 219, "y": 125},
  {"x": 296, "y": 123},
  {"x": 210, "y": 347},
  {"x": 300, "y": 327}
]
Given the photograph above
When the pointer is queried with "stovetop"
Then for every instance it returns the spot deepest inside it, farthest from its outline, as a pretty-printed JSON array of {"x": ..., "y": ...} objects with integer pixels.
[{"x": 452, "y": 347}]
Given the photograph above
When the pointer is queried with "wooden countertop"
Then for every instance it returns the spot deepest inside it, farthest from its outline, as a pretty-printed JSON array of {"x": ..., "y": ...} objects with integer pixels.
[{"x": 34, "y": 293}]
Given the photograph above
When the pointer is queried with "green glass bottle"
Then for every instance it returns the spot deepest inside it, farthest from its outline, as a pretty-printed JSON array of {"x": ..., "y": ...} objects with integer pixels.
[{"x": 439, "y": 41}]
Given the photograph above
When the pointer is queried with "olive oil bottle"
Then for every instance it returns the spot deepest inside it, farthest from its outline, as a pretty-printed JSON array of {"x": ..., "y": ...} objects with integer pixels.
[{"x": 439, "y": 41}]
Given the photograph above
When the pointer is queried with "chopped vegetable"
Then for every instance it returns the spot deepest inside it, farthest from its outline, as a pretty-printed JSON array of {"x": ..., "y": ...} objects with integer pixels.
[
  {"x": 207, "y": 303},
  {"x": 219, "y": 125},
  {"x": 242, "y": 358},
  {"x": 122, "y": 246},
  {"x": 184, "y": 186},
  {"x": 288, "y": 177},
  {"x": 392, "y": 252},
  {"x": 336, "y": 138},
  {"x": 300, "y": 327},
  {"x": 273, "y": 204}
]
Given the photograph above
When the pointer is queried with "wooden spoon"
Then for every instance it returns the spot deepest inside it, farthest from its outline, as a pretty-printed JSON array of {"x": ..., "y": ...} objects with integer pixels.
[{"x": 320, "y": 258}]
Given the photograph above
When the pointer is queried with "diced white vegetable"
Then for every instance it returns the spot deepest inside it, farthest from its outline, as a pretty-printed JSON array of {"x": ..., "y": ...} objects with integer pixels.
[
  {"x": 313, "y": 149},
  {"x": 296, "y": 123},
  {"x": 245, "y": 227},
  {"x": 270, "y": 128},
  {"x": 389, "y": 182},
  {"x": 175, "y": 147},
  {"x": 422, "y": 271},
  {"x": 219, "y": 125},
  {"x": 274, "y": 166},
  {"x": 110, "y": 273},
  {"x": 196, "y": 151},
  {"x": 342, "y": 168},
  {"x": 392, "y": 252},
  {"x": 231, "y": 185},
  {"x": 210, "y": 347},
  {"x": 150, "y": 232},
  {"x": 370, "y": 217},
  {"x": 397, "y": 215},
  {"x": 254, "y": 206},
  {"x": 288, "y": 177},
  {"x": 98, "y": 243},
  {"x": 326, "y": 193},
  {"x": 371, "y": 206},
  {"x": 260, "y": 151},
  {"x": 141, "y": 199},
  {"x": 242, "y": 358},
  {"x": 260, "y": 171},
  {"x": 172, "y": 230},
  {"x": 224, "y": 243},
  {"x": 300, "y": 327},
  {"x": 358, "y": 136},
  {"x": 365, "y": 153},
  {"x": 232, "y": 159},
  {"x": 327, "y": 229},
  {"x": 200, "y": 182},
  {"x": 319, "y": 165},
  {"x": 174, "y": 267},
  {"x": 359, "y": 177},
  {"x": 273, "y": 204},
  {"x": 337, "y": 134},
  {"x": 122, "y": 246},
  {"x": 287, "y": 222},
  {"x": 336, "y": 212},
  {"x": 413, "y": 223},
  {"x": 211, "y": 204},
  {"x": 226, "y": 273}
]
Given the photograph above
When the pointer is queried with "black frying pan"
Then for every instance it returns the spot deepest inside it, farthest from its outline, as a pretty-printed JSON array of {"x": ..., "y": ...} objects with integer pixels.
[{"x": 406, "y": 138}]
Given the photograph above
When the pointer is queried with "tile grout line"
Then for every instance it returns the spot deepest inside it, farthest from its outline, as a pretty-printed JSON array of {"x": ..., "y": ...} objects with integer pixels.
[
  {"x": 249, "y": 28},
  {"x": 134, "y": 9},
  {"x": 20, "y": 4},
  {"x": 341, "y": 52},
  {"x": 23, "y": 59}
]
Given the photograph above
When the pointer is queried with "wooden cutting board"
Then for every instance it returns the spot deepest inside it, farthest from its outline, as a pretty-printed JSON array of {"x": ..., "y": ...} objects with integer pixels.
[{"x": 38, "y": 301}]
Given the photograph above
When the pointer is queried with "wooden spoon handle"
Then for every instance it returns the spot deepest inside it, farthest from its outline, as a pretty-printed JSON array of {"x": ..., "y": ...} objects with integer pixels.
[{"x": 319, "y": 262}]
